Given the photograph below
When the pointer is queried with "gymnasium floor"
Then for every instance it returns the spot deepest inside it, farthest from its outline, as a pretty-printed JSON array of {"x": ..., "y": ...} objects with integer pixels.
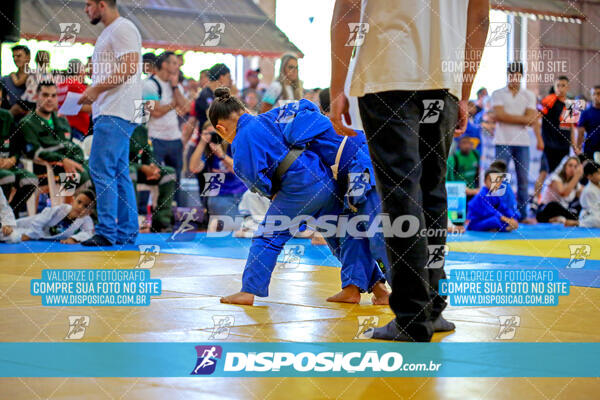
[{"x": 196, "y": 273}]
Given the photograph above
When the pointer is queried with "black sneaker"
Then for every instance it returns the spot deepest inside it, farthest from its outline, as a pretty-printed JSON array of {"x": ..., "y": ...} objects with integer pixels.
[{"x": 97, "y": 241}]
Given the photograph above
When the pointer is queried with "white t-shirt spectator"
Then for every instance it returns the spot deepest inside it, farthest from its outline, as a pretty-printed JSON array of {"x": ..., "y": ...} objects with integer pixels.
[
  {"x": 167, "y": 126},
  {"x": 409, "y": 45},
  {"x": 550, "y": 195},
  {"x": 511, "y": 134},
  {"x": 117, "y": 39}
]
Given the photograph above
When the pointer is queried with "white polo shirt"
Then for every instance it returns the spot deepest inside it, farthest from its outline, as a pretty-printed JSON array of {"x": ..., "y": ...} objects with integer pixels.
[
  {"x": 117, "y": 39},
  {"x": 511, "y": 134},
  {"x": 411, "y": 45}
]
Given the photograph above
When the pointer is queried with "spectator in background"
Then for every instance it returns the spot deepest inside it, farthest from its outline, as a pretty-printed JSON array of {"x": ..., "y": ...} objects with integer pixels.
[
  {"x": 12, "y": 177},
  {"x": 218, "y": 75},
  {"x": 45, "y": 137},
  {"x": 589, "y": 125},
  {"x": 253, "y": 79},
  {"x": 67, "y": 223},
  {"x": 313, "y": 95},
  {"x": 324, "y": 101},
  {"x": 560, "y": 198},
  {"x": 514, "y": 110},
  {"x": 557, "y": 140},
  {"x": 179, "y": 65},
  {"x": 42, "y": 73},
  {"x": 215, "y": 154},
  {"x": 74, "y": 82},
  {"x": 590, "y": 197},
  {"x": 182, "y": 110},
  {"x": 252, "y": 101},
  {"x": 203, "y": 79},
  {"x": 149, "y": 60},
  {"x": 163, "y": 127},
  {"x": 485, "y": 118},
  {"x": 191, "y": 88},
  {"x": 482, "y": 94},
  {"x": 287, "y": 87},
  {"x": 463, "y": 166},
  {"x": 14, "y": 83},
  {"x": 473, "y": 130},
  {"x": 197, "y": 114}
]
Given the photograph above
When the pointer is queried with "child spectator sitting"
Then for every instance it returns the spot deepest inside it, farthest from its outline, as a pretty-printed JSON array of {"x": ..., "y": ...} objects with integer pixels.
[
  {"x": 69, "y": 223},
  {"x": 489, "y": 210},
  {"x": 7, "y": 222},
  {"x": 559, "y": 198},
  {"x": 590, "y": 197},
  {"x": 508, "y": 197},
  {"x": 463, "y": 166}
]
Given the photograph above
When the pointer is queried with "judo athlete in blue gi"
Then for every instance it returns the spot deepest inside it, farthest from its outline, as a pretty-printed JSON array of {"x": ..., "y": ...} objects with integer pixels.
[
  {"x": 508, "y": 198},
  {"x": 270, "y": 161},
  {"x": 301, "y": 124},
  {"x": 491, "y": 210}
]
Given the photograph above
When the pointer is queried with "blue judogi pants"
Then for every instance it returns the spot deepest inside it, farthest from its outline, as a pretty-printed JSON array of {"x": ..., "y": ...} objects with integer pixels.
[
  {"x": 359, "y": 255},
  {"x": 109, "y": 169}
]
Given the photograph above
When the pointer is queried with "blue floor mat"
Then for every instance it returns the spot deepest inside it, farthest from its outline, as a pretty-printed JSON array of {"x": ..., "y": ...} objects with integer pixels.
[
  {"x": 230, "y": 247},
  {"x": 529, "y": 232}
]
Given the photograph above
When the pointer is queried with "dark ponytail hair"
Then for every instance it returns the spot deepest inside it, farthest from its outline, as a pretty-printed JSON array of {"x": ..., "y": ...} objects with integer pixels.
[{"x": 223, "y": 105}]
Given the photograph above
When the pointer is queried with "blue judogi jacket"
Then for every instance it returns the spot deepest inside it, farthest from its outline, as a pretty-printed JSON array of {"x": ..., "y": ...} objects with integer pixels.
[
  {"x": 484, "y": 211},
  {"x": 263, "y": 141}
]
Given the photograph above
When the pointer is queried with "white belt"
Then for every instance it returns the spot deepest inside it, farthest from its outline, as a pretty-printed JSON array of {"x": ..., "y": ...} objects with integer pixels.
[{"x": 335, "y": 167}]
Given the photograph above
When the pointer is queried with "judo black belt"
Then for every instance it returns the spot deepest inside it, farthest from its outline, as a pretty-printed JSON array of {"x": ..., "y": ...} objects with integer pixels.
[{"x": 283, "y": 166}]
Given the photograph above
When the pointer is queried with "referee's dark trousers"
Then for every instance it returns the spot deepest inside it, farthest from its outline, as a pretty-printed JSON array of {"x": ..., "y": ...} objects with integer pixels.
[{"x": 409, "y": 135}]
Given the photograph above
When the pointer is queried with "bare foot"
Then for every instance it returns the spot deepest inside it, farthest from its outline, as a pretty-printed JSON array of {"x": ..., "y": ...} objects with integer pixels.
[
  {"x": 381, "y": 296},
  {"x": 349, "y": 294},
  {"x": 571, "y": 222},
  {"x": 242, "y": 298}
]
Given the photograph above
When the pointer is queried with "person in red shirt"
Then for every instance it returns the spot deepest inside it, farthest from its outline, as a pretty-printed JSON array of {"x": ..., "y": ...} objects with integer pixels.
[{"x": 79, "y": 123}]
